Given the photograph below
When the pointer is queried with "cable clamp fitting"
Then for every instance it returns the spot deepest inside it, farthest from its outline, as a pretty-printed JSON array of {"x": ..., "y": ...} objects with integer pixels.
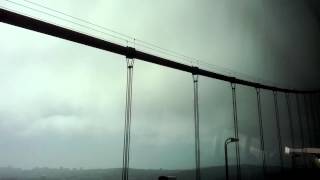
[
  {"x": 131, "y": 52},
  {"x": 130, "y": 63},
  {"x": 195, "y": 75},
  {"x": 258, "y": 90},
  {"x": 233, "y": 85}
]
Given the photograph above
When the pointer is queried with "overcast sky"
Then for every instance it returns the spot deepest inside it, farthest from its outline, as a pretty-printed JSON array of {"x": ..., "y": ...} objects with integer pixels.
[{"x": 62, "y": 104}]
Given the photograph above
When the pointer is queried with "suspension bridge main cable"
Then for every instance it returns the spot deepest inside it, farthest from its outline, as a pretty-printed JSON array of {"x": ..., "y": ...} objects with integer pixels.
[
  {"x": 139, "y": 42},
  {"x": 236, "y": 128},
  {"x": 26, "y": 22},
  {"x": 68, "y": 21},
  {"x": 76, "y": 18},
  {"x": 115, "y": 34},
  {"x": 261, "y": 131},
  {"x": 130, "y": 39},
  {"x": 104, "y": 30}
]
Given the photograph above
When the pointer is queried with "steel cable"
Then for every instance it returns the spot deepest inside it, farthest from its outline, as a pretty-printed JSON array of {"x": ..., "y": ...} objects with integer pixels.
[
  {"x": 312, "y": 120},
  {"x": 128, "y": 115},
  {"x": 276, "y": 106},
  {"x": 261, "y": 132},
  {"x": 301, "y": 129},
  {"x": 290, "y": 126},
  {"x": 236, "y": 128},
  {"x": 196, "y": 124},
  {"x": 306, "y": 108}
]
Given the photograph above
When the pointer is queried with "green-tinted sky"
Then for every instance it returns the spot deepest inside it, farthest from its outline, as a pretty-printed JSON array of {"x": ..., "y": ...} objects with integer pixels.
[{"x": 62, "y": 104}]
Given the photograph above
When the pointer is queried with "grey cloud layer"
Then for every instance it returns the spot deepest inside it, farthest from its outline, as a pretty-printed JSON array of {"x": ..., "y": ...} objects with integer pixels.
[{"x": 62, "y": 104}]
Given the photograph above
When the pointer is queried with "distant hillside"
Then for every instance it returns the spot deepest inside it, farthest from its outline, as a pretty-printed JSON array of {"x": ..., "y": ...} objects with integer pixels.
[{"x": 218, "y": 172}]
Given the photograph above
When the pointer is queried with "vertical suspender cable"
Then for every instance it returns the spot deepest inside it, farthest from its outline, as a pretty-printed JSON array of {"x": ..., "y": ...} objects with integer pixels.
[
  {"x": 128, "y": 112},
  {"x": 309, "y": 133},
  {"x": 261, "y": 132},
  {"x": 301, "y": 129},
  {"x": 291, "y": 126},
  {"x": 318, "y": 115},
  {"x": 236, "y": 132},
  {"x": 276, "y": 106},
  {"x": 196, "y": 124},
  {"x": 312, "y": 119},
  {"x": 316, "y": 118},
  {"x": 317, "y": 110}
]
